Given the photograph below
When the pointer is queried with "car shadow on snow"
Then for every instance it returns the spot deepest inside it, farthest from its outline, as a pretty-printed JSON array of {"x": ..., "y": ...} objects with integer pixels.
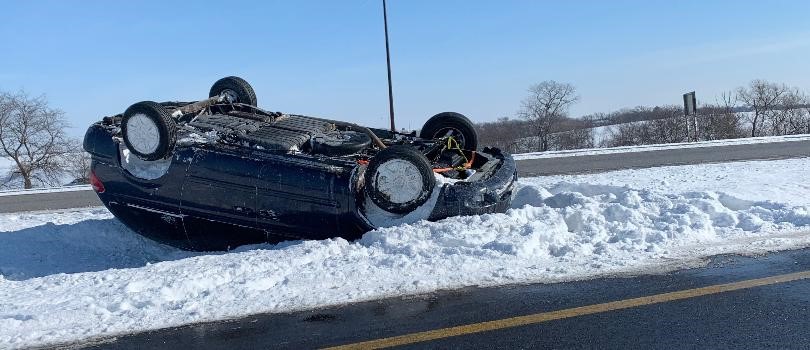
[{"x": 90, "y": 245}]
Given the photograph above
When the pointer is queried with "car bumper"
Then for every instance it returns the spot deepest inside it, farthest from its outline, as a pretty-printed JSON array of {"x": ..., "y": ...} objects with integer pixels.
[{"x": 490, "y": 194}]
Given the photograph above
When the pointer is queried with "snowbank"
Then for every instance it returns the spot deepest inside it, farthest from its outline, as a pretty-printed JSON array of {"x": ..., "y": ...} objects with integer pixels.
[{"x": 78, "y": 274}]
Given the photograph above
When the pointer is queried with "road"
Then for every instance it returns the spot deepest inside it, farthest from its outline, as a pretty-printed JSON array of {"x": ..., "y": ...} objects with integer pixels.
[
  {"x": 532, "y": 167},
  {"x": 48, "y": 201},
  {"x": 648, "y": 159},
  {"x": 733, "y": 302}
]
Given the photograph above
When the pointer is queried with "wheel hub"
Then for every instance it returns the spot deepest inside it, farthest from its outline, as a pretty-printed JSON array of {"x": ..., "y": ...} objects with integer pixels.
[
  {"x": 143, "y": 134},
  {"x": 229, "y": 96},
  {"x": 399, "y": 180}
]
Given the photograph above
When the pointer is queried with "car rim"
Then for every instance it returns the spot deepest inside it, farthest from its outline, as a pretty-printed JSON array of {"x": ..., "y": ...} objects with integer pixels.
[
  {"x": 142, "y": 134},
  {"x": 399, "y": 181},
  {"x": 230, "y": 96},
  {"x": 455, "y": 133}
]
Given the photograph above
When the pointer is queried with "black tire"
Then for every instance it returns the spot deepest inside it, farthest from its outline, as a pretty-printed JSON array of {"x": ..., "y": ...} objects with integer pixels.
[
  {"x": 382, "y": 197},
  {"x": 243, "y": 91},
  {"x": 438, "y": 126},
  {"x": 164, "y": 124}
]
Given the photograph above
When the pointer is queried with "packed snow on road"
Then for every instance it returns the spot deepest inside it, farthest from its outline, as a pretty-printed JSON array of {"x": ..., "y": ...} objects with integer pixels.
[{"x": 74, "y": 275}]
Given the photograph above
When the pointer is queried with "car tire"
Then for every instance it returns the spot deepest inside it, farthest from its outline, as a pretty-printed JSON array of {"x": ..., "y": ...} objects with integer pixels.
[
  {"x": 399, "y": 179},
  {"x": 149, "y": 131},
  {"x": 240, "y": 88},
  {"x": 457, "y": 124}
]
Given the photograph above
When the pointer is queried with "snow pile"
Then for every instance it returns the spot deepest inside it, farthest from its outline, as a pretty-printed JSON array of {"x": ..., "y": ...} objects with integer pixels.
[
  {"x": 783, "y": 181},
  {"x": 559, "y": 229}
]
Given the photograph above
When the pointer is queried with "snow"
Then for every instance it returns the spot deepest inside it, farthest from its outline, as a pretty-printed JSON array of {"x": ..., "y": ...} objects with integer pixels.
[
  {"x": 648, "y": 148},
  {"x": 381, "y": 218},
  {"x": 194, "y": 136},
  {"x": 147, "y": 170},
  {"x": 73, "y": 275},
  {"x": 6, "y": 165}
]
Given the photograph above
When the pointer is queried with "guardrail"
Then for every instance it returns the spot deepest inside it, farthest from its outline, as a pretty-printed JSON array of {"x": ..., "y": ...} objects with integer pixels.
[{"x": 16, "y": 192}]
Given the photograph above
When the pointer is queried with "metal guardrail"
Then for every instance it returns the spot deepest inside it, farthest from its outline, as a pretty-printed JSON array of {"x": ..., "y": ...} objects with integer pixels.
[{"x": 15, "y": 192}]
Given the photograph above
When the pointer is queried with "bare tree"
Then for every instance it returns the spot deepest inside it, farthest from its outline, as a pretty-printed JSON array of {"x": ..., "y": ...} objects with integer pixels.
[
  {"x": 721, "y": 120},
  {"x": 547, "y": 104},
  {"x": 33, "y": 136},
  {"x": 573, "y": 139},
  {"x": 504, "y": 133},
  {"x": 791, "y": 116},
  {"x": 763, "y": 97},
  {"x": 77, "y": 166}
]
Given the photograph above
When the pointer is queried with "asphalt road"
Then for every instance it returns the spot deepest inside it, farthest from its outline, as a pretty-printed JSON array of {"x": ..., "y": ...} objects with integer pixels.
[
  {"x": 775, "y": 314},
  {"x": 648, "y": 159},
  {"x": 48, "y": 201},
  {"x": 533, "y": 167}
]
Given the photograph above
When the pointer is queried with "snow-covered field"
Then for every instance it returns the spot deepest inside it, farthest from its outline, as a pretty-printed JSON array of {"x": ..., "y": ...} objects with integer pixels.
[
  {"x": 5, "y": 166},
  {"x": 79, "y": 274},
  {"x": 647, "y": 148}
]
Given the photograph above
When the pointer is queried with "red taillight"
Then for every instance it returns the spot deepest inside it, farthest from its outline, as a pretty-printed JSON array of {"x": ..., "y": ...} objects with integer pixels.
[{"x": 96, "y": 183}]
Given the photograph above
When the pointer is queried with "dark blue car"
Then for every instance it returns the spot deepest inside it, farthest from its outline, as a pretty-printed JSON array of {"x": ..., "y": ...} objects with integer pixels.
[{"x": 218, "y": 173}]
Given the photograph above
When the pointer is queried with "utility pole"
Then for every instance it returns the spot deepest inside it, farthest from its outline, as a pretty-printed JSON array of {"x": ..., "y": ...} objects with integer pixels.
[{"x": 388, "y": 63}]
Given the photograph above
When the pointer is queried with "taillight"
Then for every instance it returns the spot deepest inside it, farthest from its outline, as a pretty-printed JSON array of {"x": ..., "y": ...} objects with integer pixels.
[{"x": 96, "y": 183}]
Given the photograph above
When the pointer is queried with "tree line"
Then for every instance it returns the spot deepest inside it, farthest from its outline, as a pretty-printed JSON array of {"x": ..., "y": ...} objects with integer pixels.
[{"x": 543, "y": 123}]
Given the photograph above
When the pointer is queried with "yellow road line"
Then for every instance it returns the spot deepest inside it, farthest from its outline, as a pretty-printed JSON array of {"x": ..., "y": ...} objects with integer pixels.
[{"x": 568, "y": 313}]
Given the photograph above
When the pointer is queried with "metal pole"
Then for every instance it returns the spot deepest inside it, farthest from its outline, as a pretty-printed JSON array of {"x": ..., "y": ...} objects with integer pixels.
[{"x": 388, "y": 63}]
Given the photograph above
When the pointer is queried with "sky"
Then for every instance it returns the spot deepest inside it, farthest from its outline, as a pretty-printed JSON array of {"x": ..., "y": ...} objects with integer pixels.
[{"x": 327, "y": 58}]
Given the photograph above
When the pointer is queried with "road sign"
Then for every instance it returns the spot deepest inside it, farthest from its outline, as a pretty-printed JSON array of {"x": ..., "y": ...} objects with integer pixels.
[{"x": 689, "y": 103}]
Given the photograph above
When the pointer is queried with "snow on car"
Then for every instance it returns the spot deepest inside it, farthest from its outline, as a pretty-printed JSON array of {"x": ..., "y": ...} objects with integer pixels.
[{"x": 221, "y": 172}]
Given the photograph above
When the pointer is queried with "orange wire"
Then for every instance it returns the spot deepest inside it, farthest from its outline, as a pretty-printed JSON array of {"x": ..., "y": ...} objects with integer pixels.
[{"x": 467, "y": 165}]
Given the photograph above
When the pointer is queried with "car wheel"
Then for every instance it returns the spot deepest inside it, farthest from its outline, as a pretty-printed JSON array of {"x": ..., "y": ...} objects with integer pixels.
[
  {"x": 399, "y": 179},
  {"x": 236, "y": 88},
  {"x": 149, "y": 130},
  {"x": 451, "y": 124}
]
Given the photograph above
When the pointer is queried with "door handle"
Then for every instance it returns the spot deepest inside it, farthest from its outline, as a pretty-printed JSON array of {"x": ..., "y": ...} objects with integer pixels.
[{"x": 243, "y": 210}]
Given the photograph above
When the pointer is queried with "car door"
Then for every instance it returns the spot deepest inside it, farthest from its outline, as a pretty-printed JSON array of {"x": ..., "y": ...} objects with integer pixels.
[
  {"x": 296, "y": 197},
  {"x": 220, "y": 185}
]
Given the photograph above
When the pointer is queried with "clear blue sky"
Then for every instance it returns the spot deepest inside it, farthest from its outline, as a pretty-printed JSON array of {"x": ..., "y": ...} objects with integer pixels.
[{"x": 327, "y": 58}]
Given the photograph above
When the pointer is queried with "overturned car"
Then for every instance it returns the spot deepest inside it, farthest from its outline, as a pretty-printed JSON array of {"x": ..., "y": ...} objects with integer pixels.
[{"x": 221, "y": 172}]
